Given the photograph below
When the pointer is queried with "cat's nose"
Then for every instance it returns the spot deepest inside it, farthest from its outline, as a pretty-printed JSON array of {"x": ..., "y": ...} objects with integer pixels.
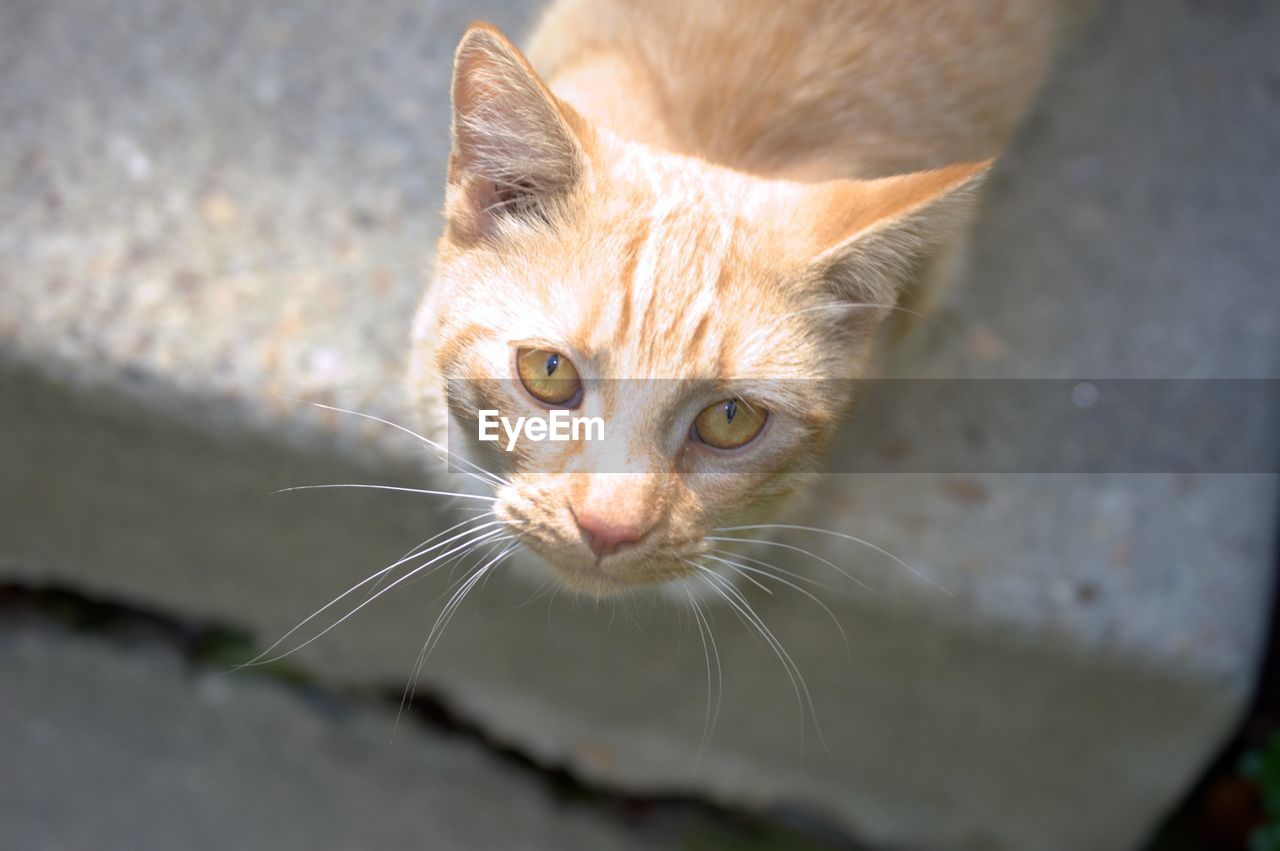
[{"x": 605, "y": 535}]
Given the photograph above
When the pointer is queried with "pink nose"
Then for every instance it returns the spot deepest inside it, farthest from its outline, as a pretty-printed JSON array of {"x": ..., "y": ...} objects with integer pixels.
[{"x": 606, "y": 536}]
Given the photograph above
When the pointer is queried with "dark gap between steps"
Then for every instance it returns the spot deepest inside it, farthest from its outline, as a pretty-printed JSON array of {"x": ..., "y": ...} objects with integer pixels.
[{"x": 697, "y": 821}]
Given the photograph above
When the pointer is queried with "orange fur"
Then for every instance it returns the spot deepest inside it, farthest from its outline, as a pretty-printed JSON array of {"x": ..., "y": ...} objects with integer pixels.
[{"x": 713, "y": 192}]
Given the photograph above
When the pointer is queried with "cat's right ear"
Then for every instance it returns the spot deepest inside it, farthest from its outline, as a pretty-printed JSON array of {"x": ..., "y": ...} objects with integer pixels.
[
  {"x": 518, "y": 150},
  {"x": 876, "y": 234}
]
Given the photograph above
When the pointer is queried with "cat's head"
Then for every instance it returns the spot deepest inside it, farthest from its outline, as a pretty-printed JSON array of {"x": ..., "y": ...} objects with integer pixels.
[{"x": 709, "y": 318}]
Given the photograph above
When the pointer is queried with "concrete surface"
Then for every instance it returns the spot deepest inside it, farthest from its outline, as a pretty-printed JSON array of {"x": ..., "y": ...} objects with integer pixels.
[
  {"x": 210, "y": 206},
  {"x": 110, "y": 746}
]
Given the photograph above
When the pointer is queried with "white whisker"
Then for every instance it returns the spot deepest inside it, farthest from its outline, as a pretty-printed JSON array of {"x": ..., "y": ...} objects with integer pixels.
[
  {"x": 456, "y": 600},
  {"x": 785, "y": 546},
  {"x": 731, "y": 595},
  {"x": 537, "y": 594},
  {"x": 417, "y": 550},
  {"x": 437, "y": 630},
  {"x": 741, "y": 567},
  {"x": 491, "y": 477},
  {"x": 742, "y": 571},
  {"x": 799, "y": 577},
  {"x": 711, "y": 715},
  {"x": 846, "y": 537},
  {"x": 466, "y": 545},
  {"x": 388, "y": 488},
  {"x": 555, "y": 590},
  {"x": 613, "y": 613},
  {"x": 412, "y": 554}
]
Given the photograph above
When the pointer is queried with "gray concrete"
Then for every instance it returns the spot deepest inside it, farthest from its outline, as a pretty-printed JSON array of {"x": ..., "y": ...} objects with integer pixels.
[
  {"x": 114, "y": 747},
  {"x": 210, "y": 206}
]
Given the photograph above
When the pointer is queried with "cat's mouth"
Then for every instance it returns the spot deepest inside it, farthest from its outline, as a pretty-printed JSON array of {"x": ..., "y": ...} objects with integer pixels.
[{"x": 605, "y": 576}]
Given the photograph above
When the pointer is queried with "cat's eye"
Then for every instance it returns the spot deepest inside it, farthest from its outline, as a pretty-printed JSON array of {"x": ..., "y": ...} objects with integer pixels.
[
  {"x": 729, "y": 423},
  {"x": 549, "y": 376}
]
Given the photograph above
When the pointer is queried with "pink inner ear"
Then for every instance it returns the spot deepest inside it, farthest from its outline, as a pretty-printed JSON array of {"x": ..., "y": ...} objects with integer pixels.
[
  {"x": 515, "y": 149},
  {"x": 519, "y": 197},
  {"x": 508, "y": 127}
]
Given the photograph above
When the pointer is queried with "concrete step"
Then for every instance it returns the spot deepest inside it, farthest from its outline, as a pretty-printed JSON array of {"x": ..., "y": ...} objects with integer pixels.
[
  {"x": 128, "y": 747},
  {"x": 212, "y": 206}
]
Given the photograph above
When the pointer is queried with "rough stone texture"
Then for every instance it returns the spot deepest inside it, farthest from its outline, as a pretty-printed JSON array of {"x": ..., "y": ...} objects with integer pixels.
[
  {"x": 109, "y": 747},
  {"x": 212, "y": 206}
]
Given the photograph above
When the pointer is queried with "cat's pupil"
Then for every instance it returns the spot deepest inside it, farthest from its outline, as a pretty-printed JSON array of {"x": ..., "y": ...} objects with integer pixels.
[
  {"x": 730, "y": 410},
  {"x": 553, "y": 362}
]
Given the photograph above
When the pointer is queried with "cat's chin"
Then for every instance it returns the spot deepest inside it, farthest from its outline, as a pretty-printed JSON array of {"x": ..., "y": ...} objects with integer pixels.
[
  {"x": 597, "y": 583},
  {"x": 593, "y": 583}
]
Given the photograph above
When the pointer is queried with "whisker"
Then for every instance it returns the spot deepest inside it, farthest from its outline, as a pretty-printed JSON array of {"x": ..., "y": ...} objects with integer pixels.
[
  {"x": 489, "y": 552},
  {"x": 555, "y": 590},
  {"x": 258, "y": 659},
  {"x": 839, "y": 627},
  {"x": 785, "y": 546},
  {"x": 537, "y": 594},
  {"x": 417, "y": 550},
  {"x": 715, "y": 652},
  {"x": 710, "y": 718},
  {"x": 740, "y": 604},
  {"x": 493, "y": 478},
  {"x": 407, "y": 557},
  {"x": 453, "y": 563},
  {"x": 440, "y": 622},
  {"x": 456, "y": 601},
  {"x": 799, "y": 577},
  {"x": 625, "y": 597},
  {"x": 507, "y": 522},
  {"x": 742, "y": 571},
  {"x": 437, "y": 630},
  {"x": 846, "y": 537},
  {"x": 388, "y": 488}
]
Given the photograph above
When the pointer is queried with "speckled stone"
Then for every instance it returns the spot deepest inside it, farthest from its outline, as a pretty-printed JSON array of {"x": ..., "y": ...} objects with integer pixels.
[
  {"x": 126, "y": 747},
  {"x": 211, "y": 209}
]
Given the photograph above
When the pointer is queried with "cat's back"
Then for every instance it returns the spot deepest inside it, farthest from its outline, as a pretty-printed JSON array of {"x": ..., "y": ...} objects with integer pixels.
[{"x": 807, "y": 88}]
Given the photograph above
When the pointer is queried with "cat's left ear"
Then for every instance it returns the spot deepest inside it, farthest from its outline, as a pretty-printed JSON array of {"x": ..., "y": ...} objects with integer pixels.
[
  {"x": 873, "y": 236},
  {"x": 517, "y": 148}
]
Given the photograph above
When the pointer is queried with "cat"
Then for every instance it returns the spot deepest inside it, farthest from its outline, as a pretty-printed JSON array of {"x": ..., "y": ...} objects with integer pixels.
[{"x": 719, "y": 202}]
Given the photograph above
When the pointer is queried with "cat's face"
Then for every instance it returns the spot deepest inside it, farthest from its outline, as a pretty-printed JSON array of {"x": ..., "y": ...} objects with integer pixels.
[{"x": 709, "y": 319}]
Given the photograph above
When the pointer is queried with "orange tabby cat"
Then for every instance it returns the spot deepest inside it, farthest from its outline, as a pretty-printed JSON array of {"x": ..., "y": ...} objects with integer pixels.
[{"x": 724, "y": 197}]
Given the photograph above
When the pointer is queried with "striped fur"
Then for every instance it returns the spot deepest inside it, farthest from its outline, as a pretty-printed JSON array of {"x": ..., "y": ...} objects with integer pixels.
[{"x": 700, "y": 192}]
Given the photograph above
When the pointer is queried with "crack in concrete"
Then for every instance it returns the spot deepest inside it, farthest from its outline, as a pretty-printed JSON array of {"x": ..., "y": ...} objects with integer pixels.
[{"x": 208, "y": 645}]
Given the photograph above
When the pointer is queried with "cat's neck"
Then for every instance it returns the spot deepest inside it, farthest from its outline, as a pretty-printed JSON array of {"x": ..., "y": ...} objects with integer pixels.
[
  {"x": 613, "y": 91},
  {"x": 806, "y": 89}
]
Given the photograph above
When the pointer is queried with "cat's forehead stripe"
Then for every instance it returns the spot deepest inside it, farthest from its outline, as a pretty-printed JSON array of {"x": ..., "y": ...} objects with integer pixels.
[
  {"x": 666, "y": 307},
  {"x": 644, "y": 283},
  {"x": 699, "y": 331},
  {"x": 686, "y": 270},
  {"x": 630, "y": 261}
]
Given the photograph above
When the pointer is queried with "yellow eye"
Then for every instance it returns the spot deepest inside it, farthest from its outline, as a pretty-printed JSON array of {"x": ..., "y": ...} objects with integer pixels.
[
  {"x": 730, "y": 423},
  {"x": 549, "y": 376}
]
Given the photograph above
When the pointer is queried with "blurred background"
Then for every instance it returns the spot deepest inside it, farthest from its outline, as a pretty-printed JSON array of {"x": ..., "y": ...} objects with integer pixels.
[{"x": 212, "y": 210}]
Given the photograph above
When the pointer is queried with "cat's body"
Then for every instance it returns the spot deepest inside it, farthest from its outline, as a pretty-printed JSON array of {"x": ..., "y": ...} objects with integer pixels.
[
  {"x": 803, "y": 89},
  {"x": 697, "y": 194}
]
